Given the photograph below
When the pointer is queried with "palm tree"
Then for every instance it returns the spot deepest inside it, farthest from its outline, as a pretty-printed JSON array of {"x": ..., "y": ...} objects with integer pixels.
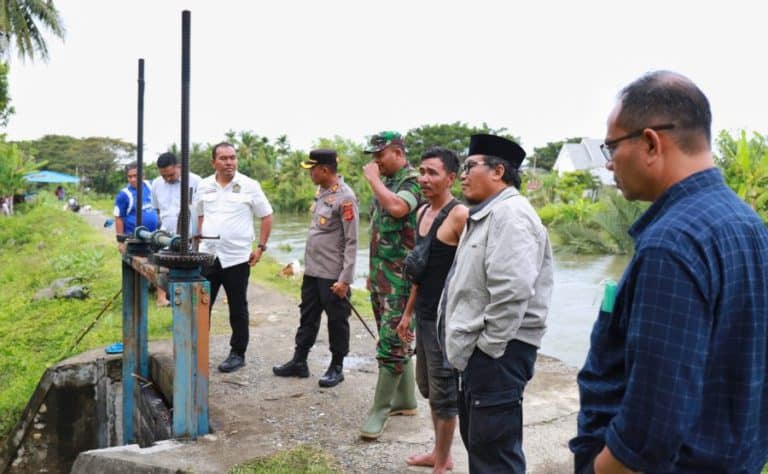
[{"x": 21, "y": 22}]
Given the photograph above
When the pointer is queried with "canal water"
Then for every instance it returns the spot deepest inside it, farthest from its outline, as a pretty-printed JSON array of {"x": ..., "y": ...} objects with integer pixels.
[{"x": 575, "y": 299}]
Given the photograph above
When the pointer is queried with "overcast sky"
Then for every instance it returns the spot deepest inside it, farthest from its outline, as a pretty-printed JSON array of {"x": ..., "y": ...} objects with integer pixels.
[{"x": 545, "y": 70}]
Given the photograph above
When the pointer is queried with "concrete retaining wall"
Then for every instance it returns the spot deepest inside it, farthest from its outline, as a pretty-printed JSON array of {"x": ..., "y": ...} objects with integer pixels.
[{"x": 76, "y": 407}]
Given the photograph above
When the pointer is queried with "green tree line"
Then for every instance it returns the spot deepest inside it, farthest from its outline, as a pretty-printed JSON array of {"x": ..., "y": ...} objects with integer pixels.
[
  {"x": 574, "y": 203},
  {"x": 99, "y": 161}
]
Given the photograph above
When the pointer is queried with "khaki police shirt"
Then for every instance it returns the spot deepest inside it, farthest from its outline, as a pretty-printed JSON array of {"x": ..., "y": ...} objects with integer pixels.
[{"x": 332, "y": 241}]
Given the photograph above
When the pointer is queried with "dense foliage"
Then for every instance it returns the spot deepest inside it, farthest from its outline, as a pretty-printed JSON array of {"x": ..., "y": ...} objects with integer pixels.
[
  {"x": 744, "y": 162},
  {"x": 584, "y": 216}
]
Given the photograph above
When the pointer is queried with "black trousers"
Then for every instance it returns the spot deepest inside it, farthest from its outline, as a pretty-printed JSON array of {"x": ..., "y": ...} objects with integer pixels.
[
  {"x": 490, "y": 399},
  {"x": 316, "y": 297},
  {"x": 584, "y": 463},
  {"x": 235, "y": 282}
]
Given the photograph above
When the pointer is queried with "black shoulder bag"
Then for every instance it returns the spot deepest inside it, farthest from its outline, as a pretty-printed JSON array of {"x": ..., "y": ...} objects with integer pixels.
[{"x": 416, "y": 260}]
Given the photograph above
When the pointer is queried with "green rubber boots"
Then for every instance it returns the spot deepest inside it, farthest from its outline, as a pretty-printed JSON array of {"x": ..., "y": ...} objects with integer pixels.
[{"x": 394, "y": 396}]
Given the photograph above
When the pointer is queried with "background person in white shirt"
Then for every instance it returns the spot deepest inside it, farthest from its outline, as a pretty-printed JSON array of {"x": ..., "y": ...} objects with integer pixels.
[
  {"x": 226, "y": 204},
  {"x": 166, "y": 198}
]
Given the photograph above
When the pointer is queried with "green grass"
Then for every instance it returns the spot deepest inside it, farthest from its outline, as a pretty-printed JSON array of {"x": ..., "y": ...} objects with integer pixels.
[
  {"x": 301, "y": 459},
  {"x": 42, "y": 243},
  {"x": 101, "y": 202},
  {"x": 37, "y": 246}
]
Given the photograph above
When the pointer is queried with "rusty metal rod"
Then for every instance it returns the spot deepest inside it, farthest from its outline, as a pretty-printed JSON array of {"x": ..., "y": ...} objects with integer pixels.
[{"x": 93, "y": 323}]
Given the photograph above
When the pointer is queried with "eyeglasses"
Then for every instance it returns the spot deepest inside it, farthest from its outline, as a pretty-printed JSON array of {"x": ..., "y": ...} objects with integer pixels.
[
  {"x": 610, "y": 145},
  {"x": 468, "y": 165}
]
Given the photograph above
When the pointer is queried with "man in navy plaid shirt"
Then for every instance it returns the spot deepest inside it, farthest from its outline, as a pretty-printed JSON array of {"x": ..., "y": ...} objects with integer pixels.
[{"x": 675, "y": 379}]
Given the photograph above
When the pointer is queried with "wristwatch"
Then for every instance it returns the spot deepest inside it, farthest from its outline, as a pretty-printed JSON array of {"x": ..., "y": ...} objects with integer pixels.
[{"x": 263, "y": 247}]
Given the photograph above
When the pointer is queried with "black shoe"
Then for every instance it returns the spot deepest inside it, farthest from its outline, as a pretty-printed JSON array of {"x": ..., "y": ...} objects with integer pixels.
[
  {"x": 333, "y": 376},
  {"x": 232, "y": 363},
  {"x": 292, "y": 368}
]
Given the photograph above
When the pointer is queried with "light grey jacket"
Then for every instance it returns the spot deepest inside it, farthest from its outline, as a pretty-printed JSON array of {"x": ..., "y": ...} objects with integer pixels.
[{"x": 501, "y": 282}]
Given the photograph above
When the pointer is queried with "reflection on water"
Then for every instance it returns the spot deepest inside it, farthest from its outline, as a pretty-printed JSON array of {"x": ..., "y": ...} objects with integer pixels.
[
  {"x": 289, "y": 235},
  {"x": 575, "y": 299}
]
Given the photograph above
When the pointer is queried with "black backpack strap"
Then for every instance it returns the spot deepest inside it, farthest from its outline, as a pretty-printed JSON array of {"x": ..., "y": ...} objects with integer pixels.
[
  {"x": 421, "y": 211},
  {"x": 441, "y": 217}
]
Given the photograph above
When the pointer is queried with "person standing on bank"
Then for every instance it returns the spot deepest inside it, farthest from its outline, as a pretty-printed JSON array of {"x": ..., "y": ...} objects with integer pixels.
[
  {"x": 676, "y": 378},
  {"x": 125, "y": 205},
  {"x": 393, "y": 235},
  {"x": 440, "y": 224},
  {"x": 227, "y": 203},
  {"x": 166, "y": 198},
  {"x": 495, "y": 304},
  {"x": 329, "y": 269}
]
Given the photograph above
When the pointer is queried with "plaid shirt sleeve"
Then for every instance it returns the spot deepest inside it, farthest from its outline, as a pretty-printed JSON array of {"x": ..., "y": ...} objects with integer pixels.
[{"x": 668, "y": 330}]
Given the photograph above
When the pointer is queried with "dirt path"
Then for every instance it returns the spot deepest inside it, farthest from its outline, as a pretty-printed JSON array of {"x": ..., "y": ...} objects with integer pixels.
[{"x": 255, "y": 413}]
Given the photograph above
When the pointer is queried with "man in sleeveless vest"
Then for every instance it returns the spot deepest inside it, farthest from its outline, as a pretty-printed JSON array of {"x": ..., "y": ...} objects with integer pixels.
[
  {"x": 440, "y": 224},
  {"x": 393, "y": 234}
]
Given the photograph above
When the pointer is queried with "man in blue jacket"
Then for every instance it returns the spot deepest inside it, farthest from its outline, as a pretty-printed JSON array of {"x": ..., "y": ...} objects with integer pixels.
[{"x": 126, "y": 206}]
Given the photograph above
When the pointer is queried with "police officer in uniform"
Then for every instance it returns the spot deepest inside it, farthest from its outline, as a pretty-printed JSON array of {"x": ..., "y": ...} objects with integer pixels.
[{"x": 329, "y": 268}]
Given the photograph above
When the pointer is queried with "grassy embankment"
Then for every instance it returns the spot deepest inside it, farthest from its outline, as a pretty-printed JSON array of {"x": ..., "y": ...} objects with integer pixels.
[
  {"x": 38, "y": 246},
  {"x": 44, "y": 243}
]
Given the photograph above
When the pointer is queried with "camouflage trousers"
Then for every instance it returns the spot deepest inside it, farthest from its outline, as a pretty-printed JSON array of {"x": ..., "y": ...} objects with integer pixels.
[{"x": 391, "y": 351}]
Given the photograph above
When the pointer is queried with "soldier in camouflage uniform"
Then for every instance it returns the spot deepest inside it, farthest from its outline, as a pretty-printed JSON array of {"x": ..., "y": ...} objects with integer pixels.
[{"x": 393, "y": 234}]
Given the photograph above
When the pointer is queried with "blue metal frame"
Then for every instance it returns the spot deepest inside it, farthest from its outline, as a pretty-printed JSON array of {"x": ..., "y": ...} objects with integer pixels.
[
  {"x": 189, "y": 294},
  {"x": 135, "y": 351}
]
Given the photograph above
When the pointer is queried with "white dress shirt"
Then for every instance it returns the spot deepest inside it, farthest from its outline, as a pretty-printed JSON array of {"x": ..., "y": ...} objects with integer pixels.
[
  {"x": 166, "y": 198},
  {"x": 228, "y": 212}
]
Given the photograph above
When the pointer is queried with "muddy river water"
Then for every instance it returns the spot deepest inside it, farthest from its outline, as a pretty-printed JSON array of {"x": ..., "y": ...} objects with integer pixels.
[{"x": 575, "y": 299}]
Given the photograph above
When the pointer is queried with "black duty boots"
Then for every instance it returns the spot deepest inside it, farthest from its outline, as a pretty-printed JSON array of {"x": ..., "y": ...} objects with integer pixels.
[
  {"x": 296, "y": 367},
  {"x": 333, "y": 376}
]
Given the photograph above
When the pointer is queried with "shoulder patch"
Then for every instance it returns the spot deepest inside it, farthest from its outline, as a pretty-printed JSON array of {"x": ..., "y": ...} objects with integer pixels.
[{"x": 348, "y": 210}]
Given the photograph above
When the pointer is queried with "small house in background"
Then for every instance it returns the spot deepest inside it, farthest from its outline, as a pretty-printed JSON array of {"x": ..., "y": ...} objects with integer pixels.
[{"x": 585, "y": 155}]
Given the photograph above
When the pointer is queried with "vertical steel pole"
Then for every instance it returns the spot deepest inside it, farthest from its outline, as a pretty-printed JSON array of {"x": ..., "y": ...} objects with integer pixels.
[
  {"x": 140, "y": 149},
  {"x": 135, "y": 289},
  {"x": 185, "y": 73},
  {"x": 141, "y": 284},
  {"x": 130, "y": 349},
  {"x": 188, "y": 292}
]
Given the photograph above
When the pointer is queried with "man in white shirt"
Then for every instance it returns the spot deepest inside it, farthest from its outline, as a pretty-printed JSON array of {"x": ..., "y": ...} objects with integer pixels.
[
  {"x": 226, "y": 204},
  {"x": 166, "y": 198}
]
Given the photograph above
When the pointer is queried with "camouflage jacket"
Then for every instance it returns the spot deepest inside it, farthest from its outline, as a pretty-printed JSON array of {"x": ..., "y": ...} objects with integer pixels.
[{"x": 392, "y": 238}]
